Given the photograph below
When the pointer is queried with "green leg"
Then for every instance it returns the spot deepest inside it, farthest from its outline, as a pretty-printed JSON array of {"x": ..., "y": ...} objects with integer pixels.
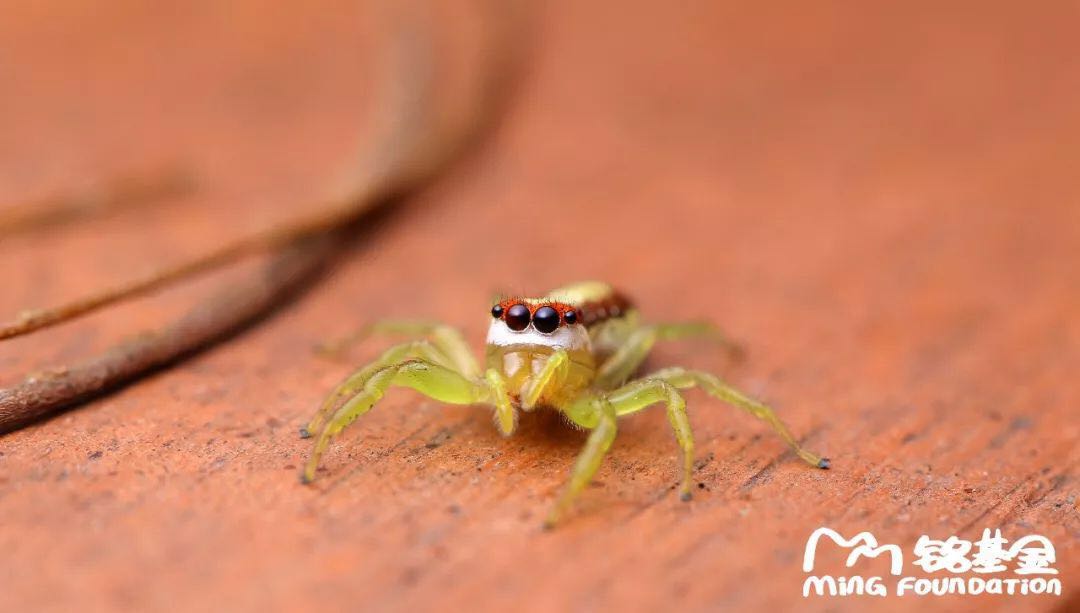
[
  {"x": 588, "y": 461},
  {"x": 637, "y": 395},
  {"x": 446, "y": 338},
  {"x": 629, "y": 356},
  {"x": 354, "y": 382},
  {"x": 555, "y": 365},
  {"x": 433, "y": 380},
  {"x": 682, "y": 379}
]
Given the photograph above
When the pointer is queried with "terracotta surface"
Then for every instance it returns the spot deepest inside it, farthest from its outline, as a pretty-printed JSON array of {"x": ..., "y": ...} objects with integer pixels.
[{"x": 882, "y": 204}]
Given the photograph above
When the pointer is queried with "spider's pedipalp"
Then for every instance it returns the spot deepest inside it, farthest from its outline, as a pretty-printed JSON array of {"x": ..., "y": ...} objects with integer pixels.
[{"x": 505, "y": 413}]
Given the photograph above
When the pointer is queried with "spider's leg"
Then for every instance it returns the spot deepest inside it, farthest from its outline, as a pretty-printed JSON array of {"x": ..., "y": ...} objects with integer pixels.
[
  {"x": 446, "y": 338},
  {"x": 354, "y": 382},
  {"x": 554, "y": 369},
  {"x": 588, "y": 461},
  {"x": 698, "y": 329},
  {"x": 712, "y": 385},
  {"x": 631, "y": 353},
  {"x": 431, "y": 379},
  {"x": 638, "y": 395}
]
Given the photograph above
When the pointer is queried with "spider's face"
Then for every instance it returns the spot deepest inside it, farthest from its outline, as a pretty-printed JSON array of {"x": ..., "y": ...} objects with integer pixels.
[{"x": 550, "y": 324}]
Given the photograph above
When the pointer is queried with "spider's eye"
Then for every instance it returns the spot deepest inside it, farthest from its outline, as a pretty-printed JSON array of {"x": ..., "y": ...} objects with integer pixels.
[
  {"x": 570, "y": 317},
  {"x": 546, "y": 319},
  {"x": 497, "y": 311},
  {"x": 517, "y": 317}
]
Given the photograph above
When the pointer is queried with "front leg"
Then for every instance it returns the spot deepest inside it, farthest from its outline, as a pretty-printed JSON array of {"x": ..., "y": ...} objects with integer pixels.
[
  {"x": 588, "y": 461},
  {"x": 355, "y": 382},
  {"x": 713, "y": 386},
  {"x": 431, "y": 379},
  {"x": 637, "y": 395}
]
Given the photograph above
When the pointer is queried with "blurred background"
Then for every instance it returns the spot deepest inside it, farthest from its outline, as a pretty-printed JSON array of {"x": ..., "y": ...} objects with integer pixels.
[{"x": 881, "y": 202}]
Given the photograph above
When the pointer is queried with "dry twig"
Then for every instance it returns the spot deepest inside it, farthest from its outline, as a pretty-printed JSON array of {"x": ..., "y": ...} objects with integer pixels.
[
  {"x": 223, "y": 314},
  {"x": 118, "y": 193},
  {"x": 417, "y": 142}
]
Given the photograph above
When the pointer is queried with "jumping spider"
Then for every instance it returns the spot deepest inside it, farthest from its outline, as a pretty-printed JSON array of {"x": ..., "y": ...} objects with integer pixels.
[{"x": 572, "y": 351}]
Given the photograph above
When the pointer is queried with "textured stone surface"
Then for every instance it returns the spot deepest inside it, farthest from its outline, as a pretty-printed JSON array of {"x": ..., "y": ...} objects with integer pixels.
[{"x": 882, "y": 204}]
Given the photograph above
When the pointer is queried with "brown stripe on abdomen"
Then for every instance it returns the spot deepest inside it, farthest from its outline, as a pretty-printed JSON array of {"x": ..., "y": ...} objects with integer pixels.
[{"x": 598, "y": 311}]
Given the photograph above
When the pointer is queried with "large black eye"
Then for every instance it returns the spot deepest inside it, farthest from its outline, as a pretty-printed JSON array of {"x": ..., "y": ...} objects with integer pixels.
[
  {"x": 570, "y": 317},
  {"x": 546, "y": 319},
  {"x": 517, "y": 317},
  {"x": 497, "y": 311}
]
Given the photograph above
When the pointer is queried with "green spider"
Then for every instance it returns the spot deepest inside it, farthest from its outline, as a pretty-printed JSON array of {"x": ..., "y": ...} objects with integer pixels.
[{"x": 572, "y": 351}]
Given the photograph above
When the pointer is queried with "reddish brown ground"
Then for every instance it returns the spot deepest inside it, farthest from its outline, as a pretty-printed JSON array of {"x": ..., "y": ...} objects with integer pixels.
[{"x": 882, "y": 204}]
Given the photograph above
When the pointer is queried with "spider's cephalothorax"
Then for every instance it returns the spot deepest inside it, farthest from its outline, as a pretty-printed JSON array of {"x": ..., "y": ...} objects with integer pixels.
[{"x": 572, "y": 351}]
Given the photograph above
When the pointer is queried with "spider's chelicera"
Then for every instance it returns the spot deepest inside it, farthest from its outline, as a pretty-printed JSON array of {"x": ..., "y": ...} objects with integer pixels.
[{"x": 572, "y": 351}]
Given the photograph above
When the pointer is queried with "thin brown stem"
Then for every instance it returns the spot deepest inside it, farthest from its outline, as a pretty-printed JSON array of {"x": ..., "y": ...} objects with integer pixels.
[
  {"x": 414, "y": 148},
  {"x": 223, "y": 314},
  {"x": 115, "y": 194},
  {"x": 36, "y": 319},
  {"x": 416, "y": 144}
]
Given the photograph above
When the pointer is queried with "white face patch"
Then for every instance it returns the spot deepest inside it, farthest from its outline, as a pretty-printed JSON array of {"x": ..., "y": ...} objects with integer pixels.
[{"x": 569, "y": 337}]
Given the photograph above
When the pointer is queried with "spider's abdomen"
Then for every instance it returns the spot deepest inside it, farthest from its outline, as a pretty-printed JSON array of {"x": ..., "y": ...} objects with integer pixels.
[{"x": 611, "y": 306}]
